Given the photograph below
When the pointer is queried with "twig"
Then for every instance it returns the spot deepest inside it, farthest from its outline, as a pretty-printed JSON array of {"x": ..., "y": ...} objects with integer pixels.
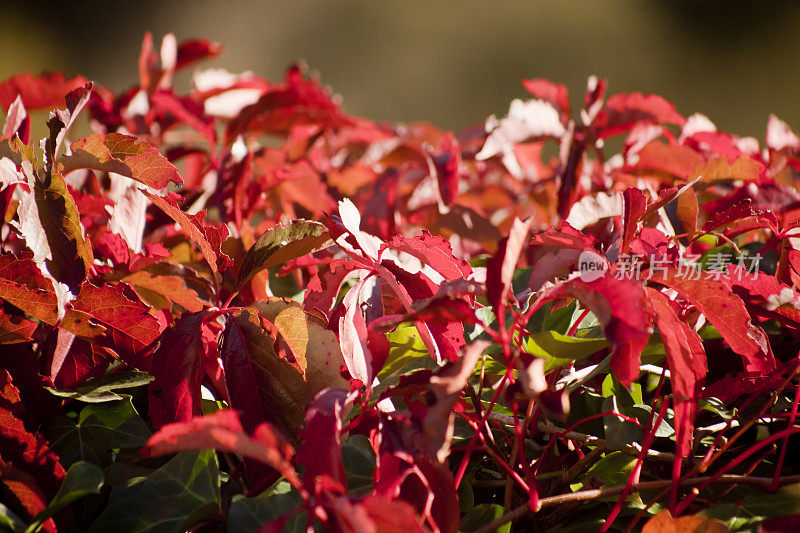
[
  {"x": 583, "y": 438},
  {"x": 515, "y": 514}
]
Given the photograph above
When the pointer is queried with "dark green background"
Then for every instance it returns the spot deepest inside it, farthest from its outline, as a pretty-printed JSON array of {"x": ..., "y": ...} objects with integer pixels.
[{"x": 449, "y": 62}]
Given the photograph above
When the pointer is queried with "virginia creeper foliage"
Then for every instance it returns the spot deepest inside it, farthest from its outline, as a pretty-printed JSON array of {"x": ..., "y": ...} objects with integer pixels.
[{"x": 240, "y": 308}]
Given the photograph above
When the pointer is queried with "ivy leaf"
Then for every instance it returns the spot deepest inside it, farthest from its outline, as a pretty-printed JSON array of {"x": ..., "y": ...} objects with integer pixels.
[
  {"x": 102, "y": 390},
  {"x": 174, "y": 497},
  {"x": 100, "y": 427},
  {"x": 481, "y": 515},
  {"x": 81, "y": 479},
  {"x": 281, "y": 244},
  {"x": 122, "y": 154}
]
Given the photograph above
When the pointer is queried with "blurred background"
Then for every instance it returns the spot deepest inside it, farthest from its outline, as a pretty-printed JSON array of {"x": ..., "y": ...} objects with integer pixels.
[{"x": 450, "y": 63}]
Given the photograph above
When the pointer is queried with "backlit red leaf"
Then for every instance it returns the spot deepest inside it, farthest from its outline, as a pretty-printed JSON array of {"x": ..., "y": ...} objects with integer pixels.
[{"x": 122, "y": 154}]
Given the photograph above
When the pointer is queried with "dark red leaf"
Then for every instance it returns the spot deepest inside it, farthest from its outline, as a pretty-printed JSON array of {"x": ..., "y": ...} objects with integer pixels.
[
  {"x": 191, "y": 51},
  {"x": 177, "y": 368},
  {"x": 321, "y": 451}
]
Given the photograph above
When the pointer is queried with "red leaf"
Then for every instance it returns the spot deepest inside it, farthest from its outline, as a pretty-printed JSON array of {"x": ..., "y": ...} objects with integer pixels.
[
  {"x": 391, "y": 516},
  {"x": 500, "y": 268},
  {"x": 448, "y": 168},
  {"x": 122, "y": 154},
  {"x": 118, "y": 307},
  {"x": 434, "y": 252},
  {"x": 222, "y": 431},
  {"x": 686, "y": 359},
  {"x": 727, "y": 313},
  {"x": 177, "y": 368},
  {"x": 619, "y": 305},
  {"x": 622, "y": 111},
  {"x": 261, "y": 384},
  {"x": 634, "y": 205},
  {"x": 554, "y": 93},
  {"x": 321, "y": 452},
  {"x": 191, "y": 51},
  {"x": 353, "y": 336},
  {"x": 29, "y": 470},
  {"x": 207, "y": 235},
  {"x": 445, "y": 387},
  {"x": 22, "y": 285},
  {"x": 45, "y": 91},
  {"x": 294, "y": 102}
]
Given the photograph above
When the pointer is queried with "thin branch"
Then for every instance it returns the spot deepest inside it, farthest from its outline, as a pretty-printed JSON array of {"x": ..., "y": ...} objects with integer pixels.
[
  {"x": 583, "y": 495},
  {"x": 583, "y": 438}
]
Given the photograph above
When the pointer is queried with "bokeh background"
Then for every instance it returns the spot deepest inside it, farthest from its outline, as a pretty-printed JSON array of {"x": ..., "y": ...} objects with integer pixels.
[{"x": 450, "y": 63}]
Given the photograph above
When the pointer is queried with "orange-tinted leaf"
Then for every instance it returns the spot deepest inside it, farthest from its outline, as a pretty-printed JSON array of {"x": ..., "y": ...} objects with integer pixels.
[
  {"x": 721, "y": 168},
  {"x": 119, "y": 308},
  {"x": 122, "y": 154},
  {"x": 171, "y": 287},
  {"x": 678, "y": 160},
  {"x": 15, "y": 329},
  {"x": 22, "y": 285},
  {"x": 314, "y": 346},
  {"x": 664, "y": 522}
]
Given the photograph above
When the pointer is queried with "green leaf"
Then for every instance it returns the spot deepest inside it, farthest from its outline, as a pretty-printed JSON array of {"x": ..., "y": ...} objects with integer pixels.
[
  {"x": 559, "y": 350},
  {"x": 405, "y": 346},
  {"x": 785, "y": 501},
  {"x": 247, "y": 515},
  {"x": 82, "y": 478},
  {"x": 102, "y": 390},
  {"x": 481, "y": 515},
  {"x": 610, "y": 471},
  {"x": 359, "y": 464},
  {"x": 280, "y": 244},
  {"x": 173, "y": 498},
  {"x": 100, "y": 427},
  {"x": 9, "y": 520}
]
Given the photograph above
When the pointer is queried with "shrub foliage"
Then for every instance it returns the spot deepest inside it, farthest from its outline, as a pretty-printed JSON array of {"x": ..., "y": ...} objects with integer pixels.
[{"x": 241, "y": 308}]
